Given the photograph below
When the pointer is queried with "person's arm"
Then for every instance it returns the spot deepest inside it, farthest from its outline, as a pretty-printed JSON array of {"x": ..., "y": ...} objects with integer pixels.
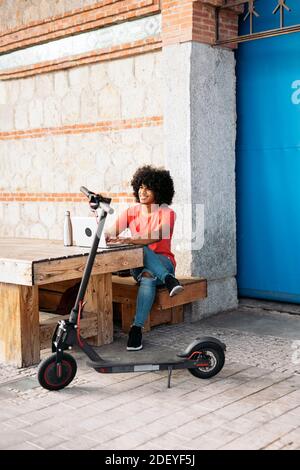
[
  {"x": 164, "y": 231},
  {"x": 118, "y": 227},
  {"x": 137, "y": 241}
]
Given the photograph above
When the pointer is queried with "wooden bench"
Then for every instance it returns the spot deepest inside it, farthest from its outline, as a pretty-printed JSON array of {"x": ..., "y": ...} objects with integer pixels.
[
  {"x": 165, "y": 309},
  {"x": 49, "y": 298}
]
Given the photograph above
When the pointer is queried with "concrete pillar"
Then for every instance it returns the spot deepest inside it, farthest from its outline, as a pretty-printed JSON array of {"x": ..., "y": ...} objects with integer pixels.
[
  {"x": 199, "y": 134},
  {"x": 176, "y": 61}
]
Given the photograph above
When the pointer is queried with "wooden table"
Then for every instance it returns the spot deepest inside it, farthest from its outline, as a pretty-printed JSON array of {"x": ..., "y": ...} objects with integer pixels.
[{"x": 26, "y": 264}]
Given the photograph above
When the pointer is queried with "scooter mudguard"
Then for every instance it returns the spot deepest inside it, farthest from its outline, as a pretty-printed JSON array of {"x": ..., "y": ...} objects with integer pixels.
[{"x": 202, "y": 339}]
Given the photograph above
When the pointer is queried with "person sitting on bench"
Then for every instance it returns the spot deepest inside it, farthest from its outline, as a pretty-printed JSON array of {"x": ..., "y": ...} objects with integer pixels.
[{"x": 151, "y": 223}]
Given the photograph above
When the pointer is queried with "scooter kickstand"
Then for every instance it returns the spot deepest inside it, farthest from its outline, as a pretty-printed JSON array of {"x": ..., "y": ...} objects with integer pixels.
[{"x": 170, "y": 368}]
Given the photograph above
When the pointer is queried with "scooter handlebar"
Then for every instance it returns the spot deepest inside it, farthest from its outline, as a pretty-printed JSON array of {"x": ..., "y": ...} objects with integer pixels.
[
  {"x": 96, "y": 200},
  {"x": 106, "y": 207},
  {"x": 86, "y": 192}
]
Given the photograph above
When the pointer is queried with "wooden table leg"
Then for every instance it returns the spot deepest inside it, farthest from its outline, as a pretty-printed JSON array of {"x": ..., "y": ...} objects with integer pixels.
[
  {"x": 19, "y": 325},
  {"x": 99, "y": 299}
]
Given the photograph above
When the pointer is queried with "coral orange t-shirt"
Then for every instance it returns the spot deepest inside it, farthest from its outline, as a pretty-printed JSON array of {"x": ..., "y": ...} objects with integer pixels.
[{"x": 146, "y": 225}]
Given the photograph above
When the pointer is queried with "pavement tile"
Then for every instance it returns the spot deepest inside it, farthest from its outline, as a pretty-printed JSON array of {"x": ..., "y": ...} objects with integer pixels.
[
  {"x": 47, "y": 441},
  {"x": 291, "y": 440},
  {"x": 296, "y": 412},
  {"x": 24, "y": 446},
  {"x": 126, "y": 441},
  {"x": 252, "y": 403},
  {"x": 103, "y": 434},
  {"x": 77, "y": 443},
  {"x": 12, "y": 438},
  {"x": 199, "y": 426},
  {"x": 259, "y": 438},
  {"x": 170, "y": 441}
]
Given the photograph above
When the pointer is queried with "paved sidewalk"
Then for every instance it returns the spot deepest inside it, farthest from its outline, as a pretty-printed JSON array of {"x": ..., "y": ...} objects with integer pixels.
[{"x": 253, "y": 403}]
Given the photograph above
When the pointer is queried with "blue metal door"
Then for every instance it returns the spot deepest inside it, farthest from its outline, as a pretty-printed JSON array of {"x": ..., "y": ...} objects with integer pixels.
[{"x": 268, "y": 164}]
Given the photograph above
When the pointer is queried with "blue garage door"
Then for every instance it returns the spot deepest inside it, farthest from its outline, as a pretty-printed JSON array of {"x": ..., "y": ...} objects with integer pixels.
[{"x": 268, "y": 161}]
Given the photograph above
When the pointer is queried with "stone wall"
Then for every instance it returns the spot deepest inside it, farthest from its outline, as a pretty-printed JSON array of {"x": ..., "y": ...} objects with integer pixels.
[{"x": 118, "y": 91}]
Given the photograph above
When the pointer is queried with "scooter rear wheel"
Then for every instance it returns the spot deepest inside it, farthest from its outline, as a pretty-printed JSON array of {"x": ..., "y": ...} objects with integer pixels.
[
  {"x": 214, "y": 353},
  {"x": 50, "y": 378}
]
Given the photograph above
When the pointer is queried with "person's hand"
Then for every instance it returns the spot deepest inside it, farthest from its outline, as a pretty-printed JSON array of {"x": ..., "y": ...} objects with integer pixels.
[
  {"x": 120, "y": 240},
  {"x": 127, "y": 240},
  {"x": 107, "y": 237}
]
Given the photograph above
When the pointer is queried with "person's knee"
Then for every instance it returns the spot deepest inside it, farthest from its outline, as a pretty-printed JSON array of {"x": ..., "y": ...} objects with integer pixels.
[{"x": 147, "y": 274}]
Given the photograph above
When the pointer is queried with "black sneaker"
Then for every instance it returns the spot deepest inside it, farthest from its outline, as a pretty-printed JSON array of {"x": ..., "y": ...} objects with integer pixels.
[
  {"x": 134, "y": 342},
  {"x": 173, "y": 285}
]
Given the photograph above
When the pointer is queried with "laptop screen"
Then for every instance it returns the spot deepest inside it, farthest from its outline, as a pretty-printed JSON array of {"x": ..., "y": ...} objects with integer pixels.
[{"x": 84, "y": 230}]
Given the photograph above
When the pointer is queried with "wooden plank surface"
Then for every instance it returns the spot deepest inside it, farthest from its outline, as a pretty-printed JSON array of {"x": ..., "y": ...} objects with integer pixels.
[
  {"x": 125, "y": 290},
  {"x": 97, "y": 321},
  {"x": 29, "y": 261},
  {"x": 19, "y": 325},
  {"x": 98, "y": 299},
  {"x": 16, "y": 272},
  {"x": 46, "y": 272},
  {"x": 88, "y": 327},
  {"x": 35, "y": 249}
]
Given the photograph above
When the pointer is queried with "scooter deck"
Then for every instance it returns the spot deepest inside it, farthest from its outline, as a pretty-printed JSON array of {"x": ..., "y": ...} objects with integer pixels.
[
  {"x": 116, "y": 353},
  {"x": 113, "y": 367},
  {"x": 143, "y": 360}
]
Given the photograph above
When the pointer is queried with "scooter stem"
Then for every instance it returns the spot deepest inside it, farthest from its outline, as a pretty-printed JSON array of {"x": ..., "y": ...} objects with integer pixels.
[{"x": 88, "y": 269}]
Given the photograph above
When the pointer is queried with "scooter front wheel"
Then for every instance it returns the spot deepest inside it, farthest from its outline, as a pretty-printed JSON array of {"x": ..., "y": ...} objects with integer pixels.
[
  {"x": 53, "y": 376},
  {"x": 211, "y": 352}
]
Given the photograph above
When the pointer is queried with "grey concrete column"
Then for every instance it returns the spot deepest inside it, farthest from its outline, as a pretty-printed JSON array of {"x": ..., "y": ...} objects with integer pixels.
[
  {"x": 200, "y": 131},
  {"x": 177, "y": 143}
]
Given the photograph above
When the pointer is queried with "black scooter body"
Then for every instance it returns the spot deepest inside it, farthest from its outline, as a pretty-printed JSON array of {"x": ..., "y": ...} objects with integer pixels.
[
  {"x": 204, "y": 357},
  {"x": 185, "y": 361}
]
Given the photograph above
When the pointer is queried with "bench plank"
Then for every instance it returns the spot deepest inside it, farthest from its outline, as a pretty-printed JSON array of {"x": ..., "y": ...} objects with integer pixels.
[
  {"x": 88, "y": 327},
  {"x": 125, "y": 291}
]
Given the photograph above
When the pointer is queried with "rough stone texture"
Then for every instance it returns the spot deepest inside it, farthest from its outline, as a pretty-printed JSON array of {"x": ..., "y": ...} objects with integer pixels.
[
  {"x": 199, "y": 124},
  {"x": 102, "y": 162},
  {"x": 122, "y": 89},
  {"x": 221, "y": 295},
  {"x": 119, "y": 89},
  {"x": 213, "y": 132},
  {"x": 34, "y": 10},
  {"x": 176, "y": 111},
  {"x": 44, "y": 219},
  {"x": 63, "y": 163}
]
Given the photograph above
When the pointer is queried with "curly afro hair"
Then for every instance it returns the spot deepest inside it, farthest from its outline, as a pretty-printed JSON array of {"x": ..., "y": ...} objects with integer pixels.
[{"x": 156, "y": 179}]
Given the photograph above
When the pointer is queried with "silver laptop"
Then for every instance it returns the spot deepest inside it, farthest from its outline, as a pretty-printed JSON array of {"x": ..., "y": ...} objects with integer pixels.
[{"x": 84, "y": 229}]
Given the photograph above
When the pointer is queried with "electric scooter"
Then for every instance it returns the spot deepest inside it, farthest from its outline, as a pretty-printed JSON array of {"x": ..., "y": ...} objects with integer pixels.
[{"x": 203, "y": 358}]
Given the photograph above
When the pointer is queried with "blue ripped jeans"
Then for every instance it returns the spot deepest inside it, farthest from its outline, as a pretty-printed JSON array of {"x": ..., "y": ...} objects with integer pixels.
[{"x": 159, "y": 266}]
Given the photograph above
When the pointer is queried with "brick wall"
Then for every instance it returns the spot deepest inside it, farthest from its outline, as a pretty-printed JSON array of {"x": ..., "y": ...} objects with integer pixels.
[
  {"x": 35, "y": 21},
  {"x": 94, "y": 15},
  {"x": 195, "y": 20},
  {"x": 15, "y": 14},
  {"x": 182, "y": 21}
]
